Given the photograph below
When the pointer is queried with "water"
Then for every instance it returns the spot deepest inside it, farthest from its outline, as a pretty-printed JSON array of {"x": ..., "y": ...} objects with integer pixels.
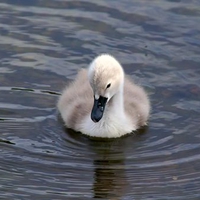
[{"x": 43, "y": 44}]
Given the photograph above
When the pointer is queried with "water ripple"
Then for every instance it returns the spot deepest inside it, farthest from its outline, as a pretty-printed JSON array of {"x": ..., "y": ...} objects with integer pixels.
[{"x": 43, "y": 44}]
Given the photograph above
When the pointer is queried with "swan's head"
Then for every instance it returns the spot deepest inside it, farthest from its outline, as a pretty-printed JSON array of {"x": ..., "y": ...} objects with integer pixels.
[{"x": 106, "y": 78}]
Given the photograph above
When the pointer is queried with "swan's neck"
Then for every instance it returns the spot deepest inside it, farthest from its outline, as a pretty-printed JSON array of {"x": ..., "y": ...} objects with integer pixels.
[{"x": 116, "y": 106}]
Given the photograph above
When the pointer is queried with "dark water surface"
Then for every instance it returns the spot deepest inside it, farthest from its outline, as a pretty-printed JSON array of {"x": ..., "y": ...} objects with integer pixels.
[{"x": 43, "y": 44}]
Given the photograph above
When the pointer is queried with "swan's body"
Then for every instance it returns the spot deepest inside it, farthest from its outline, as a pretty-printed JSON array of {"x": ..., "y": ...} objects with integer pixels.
[{"x": 102, "y": 102}]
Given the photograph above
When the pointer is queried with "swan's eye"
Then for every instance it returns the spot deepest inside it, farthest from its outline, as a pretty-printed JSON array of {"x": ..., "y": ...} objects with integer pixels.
[{"x": 108, "y": 85}]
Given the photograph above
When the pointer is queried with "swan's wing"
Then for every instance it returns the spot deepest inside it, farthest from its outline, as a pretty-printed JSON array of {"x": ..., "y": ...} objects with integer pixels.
[
  {"x": 136, "y": 102},
  {"x": 76, "y": 101}
]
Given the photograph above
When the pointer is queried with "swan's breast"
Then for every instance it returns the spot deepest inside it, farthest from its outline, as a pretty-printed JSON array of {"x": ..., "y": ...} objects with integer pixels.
[{"x": 108, "y": 126}]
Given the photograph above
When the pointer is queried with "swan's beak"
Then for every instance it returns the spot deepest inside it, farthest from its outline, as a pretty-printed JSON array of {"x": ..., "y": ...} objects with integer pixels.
[{"x": 98, "y": 108}]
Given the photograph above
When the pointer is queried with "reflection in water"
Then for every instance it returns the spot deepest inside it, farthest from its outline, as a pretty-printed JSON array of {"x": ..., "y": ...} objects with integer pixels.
[
  {"x": 109, "y": 178},
  {"x": 110, "y": 174}
]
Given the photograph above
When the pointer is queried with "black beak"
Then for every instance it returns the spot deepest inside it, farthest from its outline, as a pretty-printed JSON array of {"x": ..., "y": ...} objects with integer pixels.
[{"x": 98, "y": 108}]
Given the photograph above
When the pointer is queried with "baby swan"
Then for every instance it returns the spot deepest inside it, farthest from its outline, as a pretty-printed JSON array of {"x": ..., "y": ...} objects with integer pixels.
[{"x": 102, "y": 102}]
